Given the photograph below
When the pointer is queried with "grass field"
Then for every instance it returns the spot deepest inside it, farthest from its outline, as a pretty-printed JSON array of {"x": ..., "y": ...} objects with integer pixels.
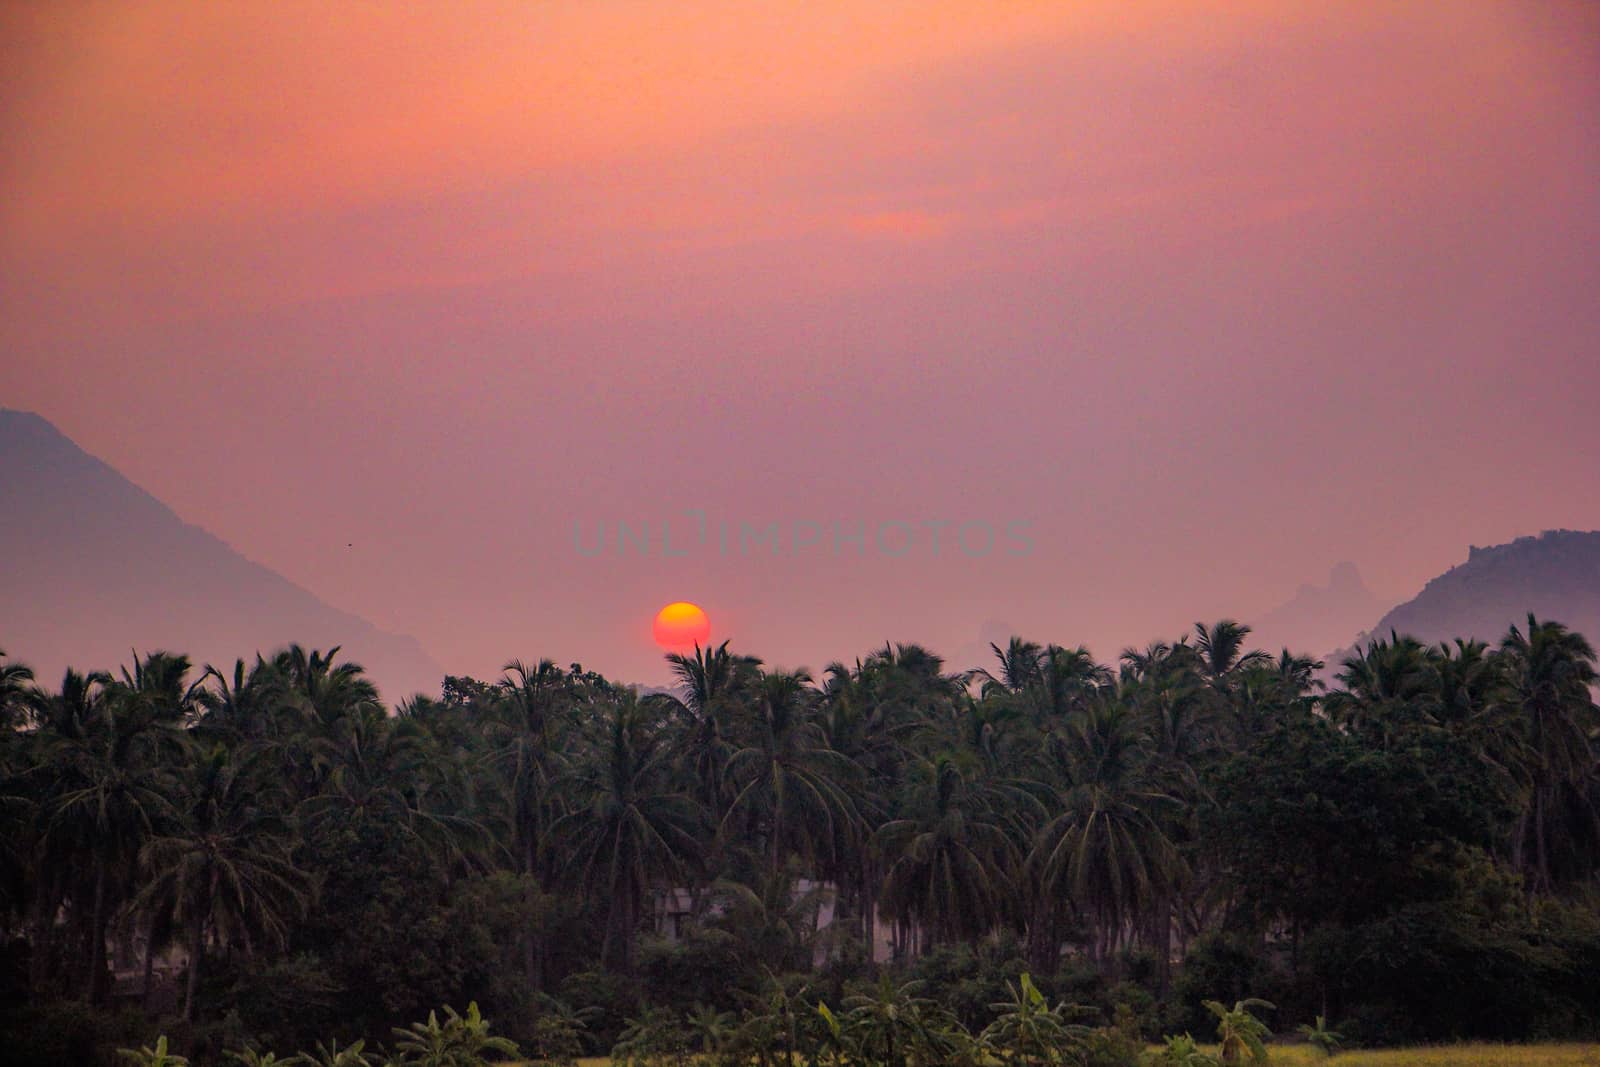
[
  {"x": 1450, "y": 1056},
  {"x": 1425, "y": 1056}
]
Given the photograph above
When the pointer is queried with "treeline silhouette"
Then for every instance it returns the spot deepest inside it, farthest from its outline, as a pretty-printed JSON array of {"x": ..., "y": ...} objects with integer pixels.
[{"x": 267, "y": 853}]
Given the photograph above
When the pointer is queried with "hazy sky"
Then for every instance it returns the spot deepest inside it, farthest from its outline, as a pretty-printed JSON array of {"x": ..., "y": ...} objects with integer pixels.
[{"x": 1210, "y": 296}]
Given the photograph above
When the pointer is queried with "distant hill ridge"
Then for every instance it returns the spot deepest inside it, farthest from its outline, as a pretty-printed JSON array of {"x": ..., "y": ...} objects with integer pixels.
[
  {"x": 96, "y": 567},
  {"x": 1321, "y": 617},
  {"x": 1555, "y": 575}
]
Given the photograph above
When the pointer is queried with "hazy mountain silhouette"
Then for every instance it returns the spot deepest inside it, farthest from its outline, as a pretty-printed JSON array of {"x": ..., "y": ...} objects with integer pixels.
[
  {"x": 95, "y": 567},
  {"x": 1555, "y": 575},
  {"x": 1320, "y": 617}
]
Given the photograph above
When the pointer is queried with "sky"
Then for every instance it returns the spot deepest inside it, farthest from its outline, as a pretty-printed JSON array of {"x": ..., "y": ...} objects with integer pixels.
[{"x": 1183, "y": 304}]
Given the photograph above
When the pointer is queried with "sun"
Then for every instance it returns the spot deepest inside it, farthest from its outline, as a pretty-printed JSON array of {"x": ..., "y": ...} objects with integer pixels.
[{"x": 682, "y": 625}]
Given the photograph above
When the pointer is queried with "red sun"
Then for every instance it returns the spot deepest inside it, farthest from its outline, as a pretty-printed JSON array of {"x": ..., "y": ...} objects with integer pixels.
[{"x": 682, "y": 625}]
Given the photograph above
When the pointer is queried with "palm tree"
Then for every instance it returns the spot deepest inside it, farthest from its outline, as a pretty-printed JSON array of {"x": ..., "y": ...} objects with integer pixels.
[
  {"x": 788, "y": 781},
  {"x": 1469, "y": 679},
  {"x": 1166, "y": 687},
  {"x": 1387, "y": 686},
  {"x": 243, "y": 704},
  {"x": 15, "y": 691},
  {"x": 1223, "y": 661},
  {"x": 1107, "y": 851},
  {"x": 371, "y": 768},
  {"x": 1019, "y": 667},
  {"x": 773, "y": 916},
  {"x": 1222, "y": 650},
  {"x": 1068, "y": 678},
  {"x": 324, "y": 691},
  {"x": 110, "y": 791},
  {"x": 528, "y": 755},
  {"x": 713, "y": 684},
  {"x": 224, "y": 870},
  {"x": 630, "y": 826},
  {"x": 16, "y": 803},
  {"x": 949, "y": 857},
  {"x": 1549, "y": 675}
]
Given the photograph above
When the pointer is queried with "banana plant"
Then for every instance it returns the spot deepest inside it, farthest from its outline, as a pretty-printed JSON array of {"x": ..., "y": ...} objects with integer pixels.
[
  {"x": 153, "y": 1057},
  {"x": 1240, "y": 1032}
]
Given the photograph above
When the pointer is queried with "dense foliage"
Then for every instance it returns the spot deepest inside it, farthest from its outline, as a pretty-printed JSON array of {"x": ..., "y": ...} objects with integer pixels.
[{"x": 267, "y": 856}]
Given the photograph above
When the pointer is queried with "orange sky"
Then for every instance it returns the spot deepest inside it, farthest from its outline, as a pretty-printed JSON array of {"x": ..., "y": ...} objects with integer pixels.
[{"x": 1250, "y": 284}]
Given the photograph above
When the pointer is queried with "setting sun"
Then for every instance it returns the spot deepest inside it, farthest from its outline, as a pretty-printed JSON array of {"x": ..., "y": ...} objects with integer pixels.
[{"x": 681, "y": 624}]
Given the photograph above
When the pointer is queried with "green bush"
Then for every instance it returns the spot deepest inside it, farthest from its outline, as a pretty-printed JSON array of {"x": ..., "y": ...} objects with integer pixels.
[
  {"x": 706, "y": 963},
  {"x": 1220, "y": 966},
  {"x": 608, "y": 1000},
  {"x": 969, "y": 982},
  {"x": 68, "y": 1032}
]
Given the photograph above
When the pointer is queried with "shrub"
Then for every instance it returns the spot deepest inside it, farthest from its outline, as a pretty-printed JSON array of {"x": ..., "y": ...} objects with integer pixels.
[
  {"x": 705, "y": 961},
  {"x": 1219, "y": 965},
  {"x": 1117, "y": 1045},
  {"x": 652, "y": 1039},
  {"x": 1182, "y": 1051},
  {"x": 69, "y": 1032},
  {"x": 607, "y": 1001},
  {"x": 458, "y": 1041},
  {"x": 1321, "y": 1036},
  {"x": 156, "y": 1056}
]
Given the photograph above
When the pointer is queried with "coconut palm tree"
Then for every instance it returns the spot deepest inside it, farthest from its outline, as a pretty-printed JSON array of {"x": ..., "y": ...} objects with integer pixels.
[
  {"x": 322, "y": 689},
  {"x": 15, "y": 691},
  {"x": 224, "y": 870},
  {"x": 950, "y": 856},
  {"x": 371, "y": 767},
  {"x": 1389, "y": 685},
  {"x": 16, "y": 805},
  {"x": 1106, "y": 852},
  {"x": 1065, "y": 682},
  {"x": 526, "y": 734},
  {"x": 110, "y": 792},
  {"x": 788, "y": 781},
  {"x": 1549, "y": 675},
  {"x": 713, "y": 684},
  {"x": 1224, "y": 661},
  {"x": 630, "y": 827},
  {"x": 1222, "y": 650},
  {"x": 242, "y": 704},
  {"x": 1018, "y": 668}
]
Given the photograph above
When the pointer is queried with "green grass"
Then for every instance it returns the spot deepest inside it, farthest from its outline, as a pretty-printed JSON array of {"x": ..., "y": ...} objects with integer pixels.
[{"x": 1470, "y": 1055}]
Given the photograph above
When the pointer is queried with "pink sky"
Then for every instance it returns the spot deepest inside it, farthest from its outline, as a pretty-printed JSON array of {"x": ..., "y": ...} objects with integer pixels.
[{"x": 1214, "y": 296}]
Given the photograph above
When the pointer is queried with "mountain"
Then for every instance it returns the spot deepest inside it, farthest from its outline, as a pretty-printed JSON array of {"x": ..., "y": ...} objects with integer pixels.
[
  {"x": 95, "y": 567},
  {"x": 1555, "y": 575},
  {"x": 1319, "y": 617}
]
